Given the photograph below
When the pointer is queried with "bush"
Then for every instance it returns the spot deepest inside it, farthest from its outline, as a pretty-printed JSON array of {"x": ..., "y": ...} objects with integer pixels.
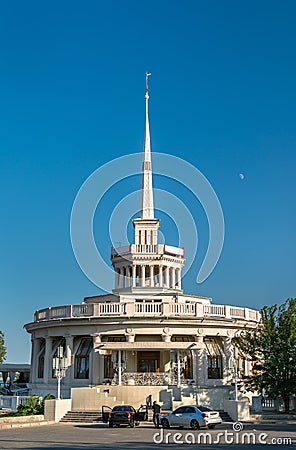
[{"x": 34, "y": 405}]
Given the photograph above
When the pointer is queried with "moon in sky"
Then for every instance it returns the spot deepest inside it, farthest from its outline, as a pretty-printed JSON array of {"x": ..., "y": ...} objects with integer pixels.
[{"x": 242, "y": 176}]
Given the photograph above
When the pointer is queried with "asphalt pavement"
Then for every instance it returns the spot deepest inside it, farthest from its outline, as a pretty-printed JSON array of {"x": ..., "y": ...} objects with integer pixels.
[{"x": 99, "y": 436}]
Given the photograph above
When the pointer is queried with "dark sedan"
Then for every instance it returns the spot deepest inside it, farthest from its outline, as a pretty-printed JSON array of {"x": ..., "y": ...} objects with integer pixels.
[{"x": 125, "y": 415}]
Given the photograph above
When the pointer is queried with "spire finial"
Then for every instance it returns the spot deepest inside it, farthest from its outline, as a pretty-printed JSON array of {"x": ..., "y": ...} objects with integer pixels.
[
  {"x": 147, "y": 208},
  {"x": 147, "y": 79}
]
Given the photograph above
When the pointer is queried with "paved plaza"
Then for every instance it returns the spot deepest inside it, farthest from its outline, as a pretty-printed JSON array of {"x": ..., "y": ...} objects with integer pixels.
[{"x": 99, "y": 436}]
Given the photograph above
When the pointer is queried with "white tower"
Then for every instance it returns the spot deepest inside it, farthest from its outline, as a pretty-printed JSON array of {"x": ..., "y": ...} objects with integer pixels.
[{"x": 147, "y": 265}]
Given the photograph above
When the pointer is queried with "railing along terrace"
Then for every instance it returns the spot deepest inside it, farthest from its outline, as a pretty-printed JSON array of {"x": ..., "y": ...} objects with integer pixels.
[
  {"x": 146, "y": 309},
  {"x": 148, "y": 248}
]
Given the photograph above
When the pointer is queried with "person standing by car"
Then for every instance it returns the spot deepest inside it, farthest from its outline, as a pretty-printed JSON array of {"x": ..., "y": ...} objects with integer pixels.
[{"x": 156, "y": 413}]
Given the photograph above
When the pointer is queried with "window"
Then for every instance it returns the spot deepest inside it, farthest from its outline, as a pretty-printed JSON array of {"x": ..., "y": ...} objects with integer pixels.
[
  {"x": 116, "y": 338},
  {"x": 214, "y": 358},
  {"x": 181, "y": 338},
  {"x": 81, "y": 367},
  {"x": 108, "y": 366}
]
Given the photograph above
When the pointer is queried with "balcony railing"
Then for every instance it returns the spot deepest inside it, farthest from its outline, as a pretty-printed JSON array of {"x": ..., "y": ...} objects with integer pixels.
[
  {"x": 159, "y": 249},
  {"x": 146, "y": 309},
  {"x": 146, "y": 378}
]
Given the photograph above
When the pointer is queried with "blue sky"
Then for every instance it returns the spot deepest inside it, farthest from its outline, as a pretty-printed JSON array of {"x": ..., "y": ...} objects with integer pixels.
[{"x": 222, "y": 97}]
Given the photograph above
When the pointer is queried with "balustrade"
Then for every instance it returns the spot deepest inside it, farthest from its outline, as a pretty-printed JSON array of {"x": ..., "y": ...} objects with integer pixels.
[{"x": 190, "y": 309}]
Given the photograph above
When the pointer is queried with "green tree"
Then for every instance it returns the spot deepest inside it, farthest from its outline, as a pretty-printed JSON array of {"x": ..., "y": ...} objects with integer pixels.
[
  {"x": 2, "y": 348},
  {"x": 272, "y": 349}
]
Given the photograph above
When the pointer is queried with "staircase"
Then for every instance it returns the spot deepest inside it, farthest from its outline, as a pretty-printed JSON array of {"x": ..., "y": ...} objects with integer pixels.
[
  {"x": 225, "y": 416},
  {"x": 82, "y": 416}
]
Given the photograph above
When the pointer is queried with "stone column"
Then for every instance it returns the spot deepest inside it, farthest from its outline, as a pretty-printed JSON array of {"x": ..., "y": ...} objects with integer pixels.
[
  {"x": 227, "y": 356},
  {"x": 119, "y": 367},
  {"x": 167, "y": 276},
  {"x": 134, "y": 275},
  {"x": 178, "y": 273},
  {"x": 69, "y": 352},
  {"x": 34, "y": 359},
  {"x": 194, "y": 366},
  {"x": 160, "y": 280},
  {"x": 152, "y": 276},
  {"x": 128, "y": 276},
  {"x": 178, "y": 369},
  {"x": 122, "y": 273},
  {"x": 48, "y": 360},
  {"x": 172, "y": 277},
  {"x": 116, "y": 279},
  {"x": 143, "y": 269},
  {"x": 201, "y": 360}
]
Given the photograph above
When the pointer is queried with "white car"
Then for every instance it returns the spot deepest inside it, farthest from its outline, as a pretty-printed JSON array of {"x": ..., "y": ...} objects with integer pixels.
[
  {"x": 211, "y": 417},
  {"x": 184, "y": 416}
]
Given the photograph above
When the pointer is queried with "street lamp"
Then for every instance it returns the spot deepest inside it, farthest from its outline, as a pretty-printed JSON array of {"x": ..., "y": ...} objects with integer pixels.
[{"x": 59, "y": 365}]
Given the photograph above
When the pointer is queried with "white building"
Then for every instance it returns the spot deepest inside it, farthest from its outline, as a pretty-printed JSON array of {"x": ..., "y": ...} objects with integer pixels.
[{"x": 148, "y": 336}]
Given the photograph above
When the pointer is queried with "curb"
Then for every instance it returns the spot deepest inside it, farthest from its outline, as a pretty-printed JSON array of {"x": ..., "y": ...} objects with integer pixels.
[{"x": 9, "y": 426}]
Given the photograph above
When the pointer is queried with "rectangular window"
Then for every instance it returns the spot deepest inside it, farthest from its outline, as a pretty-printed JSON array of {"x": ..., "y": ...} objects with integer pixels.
[
  {"x": 108, "y": 366},
  {"x": 214, "y": 355},
  {"x": 81, "y": 366}
]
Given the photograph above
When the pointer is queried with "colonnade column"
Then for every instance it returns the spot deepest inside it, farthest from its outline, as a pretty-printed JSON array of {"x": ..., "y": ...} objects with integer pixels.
[
  {"x": 117, "y": 278},
  {"x": 128, "y": 276},
  {"x": 152, "y": 276},
  {"x": 172, "y": 277},
  {"x": 201, "y": 361},
  {"x": 178, "y": 273},
  {"x": 178, "y": 369},
  {"x": 119, "y": 367},
  {"x": 134, "y": 275},
  {"x": 69, "y": 352},
  {"x": 160, "y": 280},
  {"x": 143, "y": 269},
  {"x": 122, "y": 284},
  {"x": 194, "y": 366},
  {"x": 227, "y": 356},
  {"x": 48, "y": 360},
  {"x": 167, "y": 276},
  {"x": 34, "y": 359}
]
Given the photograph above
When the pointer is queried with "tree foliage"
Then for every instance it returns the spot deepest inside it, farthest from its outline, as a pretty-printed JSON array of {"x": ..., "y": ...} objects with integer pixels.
[
  {"x": 272, "y": 349},
  {"x": 2, "y": 348},
  {"x": 34, "y": 405}
]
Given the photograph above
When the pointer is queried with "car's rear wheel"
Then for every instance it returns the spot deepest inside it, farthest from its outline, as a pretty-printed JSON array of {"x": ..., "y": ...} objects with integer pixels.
[
  {"x": 165, "y": 423},
  {"x": 211, "y": 426},
  {"x": 132, "y": 423},
  {"x": 110, "y": 424},
  {"x": 194, "y": 424},
  {"x": 137, "y": 424}
]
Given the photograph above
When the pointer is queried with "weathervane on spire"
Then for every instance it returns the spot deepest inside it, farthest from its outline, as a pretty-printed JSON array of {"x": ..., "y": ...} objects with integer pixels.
[{"x": 147, "y": 76}]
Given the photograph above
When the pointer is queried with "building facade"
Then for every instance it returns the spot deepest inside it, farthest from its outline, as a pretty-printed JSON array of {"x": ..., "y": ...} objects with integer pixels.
[{"x": 147, "y": 332}]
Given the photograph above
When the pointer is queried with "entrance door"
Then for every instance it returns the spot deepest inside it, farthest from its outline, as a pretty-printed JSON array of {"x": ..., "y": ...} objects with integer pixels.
[{"x": 148, "y": 362}]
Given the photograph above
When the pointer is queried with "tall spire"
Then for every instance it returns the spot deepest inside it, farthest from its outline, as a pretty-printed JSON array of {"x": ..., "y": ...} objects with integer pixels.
[{"x": 147, "y": 206}]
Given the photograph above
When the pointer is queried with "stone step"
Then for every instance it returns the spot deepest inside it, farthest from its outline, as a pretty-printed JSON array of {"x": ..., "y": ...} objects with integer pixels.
[
  {"x": 82, "y": 416},
  {"x": 225, "y": 416}
]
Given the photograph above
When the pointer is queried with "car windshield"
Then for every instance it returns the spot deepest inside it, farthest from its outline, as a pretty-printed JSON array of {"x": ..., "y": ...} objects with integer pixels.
[
  {"x": 204, "y": 408},
  {"x": 121, "y": 408}
]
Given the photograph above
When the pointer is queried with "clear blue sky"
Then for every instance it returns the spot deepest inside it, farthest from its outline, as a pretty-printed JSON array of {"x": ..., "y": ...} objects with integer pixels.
[{"x": 222, "y": 97}]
